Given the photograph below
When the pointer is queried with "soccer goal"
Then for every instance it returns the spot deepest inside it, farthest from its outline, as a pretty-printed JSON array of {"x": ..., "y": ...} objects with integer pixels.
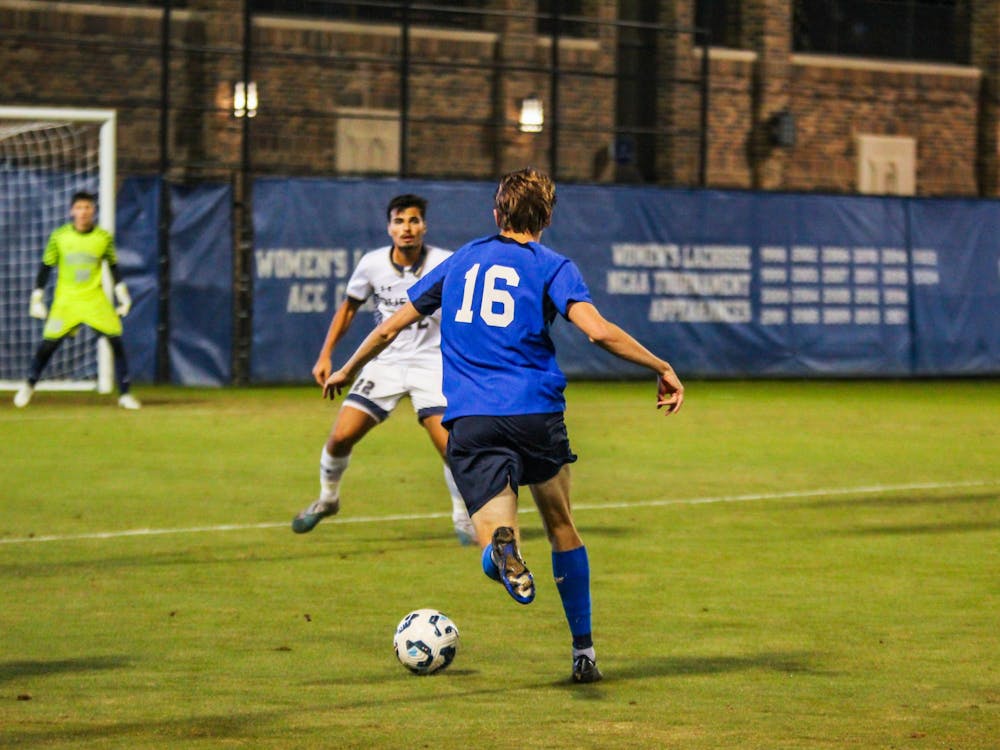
[{"x": 46, "y": 155}]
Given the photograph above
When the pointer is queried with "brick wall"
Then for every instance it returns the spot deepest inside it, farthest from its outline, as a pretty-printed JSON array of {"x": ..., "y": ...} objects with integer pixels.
[
  {"x": 935, "y": 105},
  {"x": 309, "y": 74},
  {"x": 833, "y": 102},
  {"x": 730, "y": 120}
]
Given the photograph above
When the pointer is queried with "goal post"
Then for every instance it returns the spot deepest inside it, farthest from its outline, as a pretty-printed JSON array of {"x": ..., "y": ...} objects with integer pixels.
[{"x": 46, "y": 155}]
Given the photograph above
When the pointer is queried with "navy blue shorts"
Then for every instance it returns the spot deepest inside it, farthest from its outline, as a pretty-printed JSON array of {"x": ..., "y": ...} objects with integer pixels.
[{"x": 487, "y": 454}]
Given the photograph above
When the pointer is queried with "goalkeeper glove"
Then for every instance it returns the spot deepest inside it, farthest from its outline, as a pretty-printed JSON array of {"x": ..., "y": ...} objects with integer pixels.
[
  {"x": 37, "y": 308},
  {"x": 124, "y": 300}
]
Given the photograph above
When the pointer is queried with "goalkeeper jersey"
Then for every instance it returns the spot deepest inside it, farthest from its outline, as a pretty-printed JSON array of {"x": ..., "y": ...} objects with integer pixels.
[{"x": 78, "y": 256}]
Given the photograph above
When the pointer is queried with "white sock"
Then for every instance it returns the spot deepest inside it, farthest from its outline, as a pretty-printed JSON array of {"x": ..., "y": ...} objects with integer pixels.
[
  {"x": 459, "y": 513},
  {"x": 588, "y": 652},
  {"x": 331, "y": 469}
]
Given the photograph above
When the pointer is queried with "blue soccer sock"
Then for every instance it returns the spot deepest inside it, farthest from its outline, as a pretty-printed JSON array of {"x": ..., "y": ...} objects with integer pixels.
[
  {"x": 571, "y": 570},
  {"x": 489, "y": 567}
]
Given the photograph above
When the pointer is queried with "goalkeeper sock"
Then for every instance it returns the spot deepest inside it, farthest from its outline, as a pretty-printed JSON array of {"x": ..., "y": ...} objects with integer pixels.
[
  {"x": 121, "y": 364},
  {"x": 571, "y": 570},
  {"x": 331, "y": 469},
  {"x": 42, "y": 356}
]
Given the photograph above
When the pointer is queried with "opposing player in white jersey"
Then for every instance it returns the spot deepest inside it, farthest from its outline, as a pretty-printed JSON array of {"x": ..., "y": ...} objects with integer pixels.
[{"x": 411, "y": 366}]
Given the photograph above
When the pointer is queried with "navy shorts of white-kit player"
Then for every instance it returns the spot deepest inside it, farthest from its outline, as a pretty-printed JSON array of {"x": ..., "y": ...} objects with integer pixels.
[{"x": 488, "y": 454}]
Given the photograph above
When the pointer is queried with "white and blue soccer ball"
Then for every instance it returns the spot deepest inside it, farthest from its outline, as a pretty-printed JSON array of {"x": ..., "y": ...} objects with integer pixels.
[{"x": 426, "y": 641}]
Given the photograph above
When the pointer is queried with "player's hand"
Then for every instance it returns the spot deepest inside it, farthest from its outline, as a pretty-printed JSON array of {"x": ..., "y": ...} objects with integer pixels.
[
  {"x": 37, "y": 308},
  {"x": 124, "y": 299},
  {"x": 670, "y": 392},
  {"x": 321, "y": 370},
  {"x": 334, "y": 384}
]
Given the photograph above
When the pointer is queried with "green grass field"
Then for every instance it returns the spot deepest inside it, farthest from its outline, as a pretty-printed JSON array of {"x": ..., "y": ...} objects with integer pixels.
[{"x": 781, "y": 565}]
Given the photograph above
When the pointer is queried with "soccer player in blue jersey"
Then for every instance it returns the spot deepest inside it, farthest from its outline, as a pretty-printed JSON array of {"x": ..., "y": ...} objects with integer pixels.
[{"x": 498, "y": 295}]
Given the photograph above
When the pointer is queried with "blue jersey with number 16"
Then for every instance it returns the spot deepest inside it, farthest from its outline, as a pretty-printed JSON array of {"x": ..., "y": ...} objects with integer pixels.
[{"x": 498, "y": 298}]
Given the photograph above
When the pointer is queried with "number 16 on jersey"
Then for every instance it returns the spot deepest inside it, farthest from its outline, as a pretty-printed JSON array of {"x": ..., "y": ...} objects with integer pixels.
[{"x": 497, "y": 306}]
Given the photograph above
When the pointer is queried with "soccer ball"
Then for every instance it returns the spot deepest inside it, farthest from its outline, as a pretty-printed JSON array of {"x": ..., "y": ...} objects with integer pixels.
[{"x": 426, "y": 641}]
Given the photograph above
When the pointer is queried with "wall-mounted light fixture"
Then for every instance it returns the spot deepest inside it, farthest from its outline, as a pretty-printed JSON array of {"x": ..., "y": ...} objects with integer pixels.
[
  {"x": 244, "y": 99},
  {"x": 532, "y": 115}
]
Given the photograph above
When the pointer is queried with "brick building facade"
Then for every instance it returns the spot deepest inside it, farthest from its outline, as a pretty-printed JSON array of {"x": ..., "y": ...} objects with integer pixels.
[{"x": 330, "y": 97}]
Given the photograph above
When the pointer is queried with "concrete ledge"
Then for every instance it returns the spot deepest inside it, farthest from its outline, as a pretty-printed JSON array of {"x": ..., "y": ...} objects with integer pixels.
[{"x": 886, "y": 66}]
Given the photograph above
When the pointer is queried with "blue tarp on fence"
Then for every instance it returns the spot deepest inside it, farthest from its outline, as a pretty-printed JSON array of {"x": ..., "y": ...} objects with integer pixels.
[
  {"x": 137, "y": 212},
  {"x": 201, "y": 279},
  {"x": 723, "y": 283}
]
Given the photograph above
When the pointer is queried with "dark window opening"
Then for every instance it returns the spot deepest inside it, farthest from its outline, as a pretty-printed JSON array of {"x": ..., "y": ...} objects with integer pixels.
[
  {"x": 930, "y": 30},
  {"x": 564, "y": 13},
  {"x": 721, "y": 18}
]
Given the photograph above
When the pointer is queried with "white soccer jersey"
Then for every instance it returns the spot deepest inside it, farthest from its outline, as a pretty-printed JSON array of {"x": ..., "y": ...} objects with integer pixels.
[{"x": 377, "y": 276}]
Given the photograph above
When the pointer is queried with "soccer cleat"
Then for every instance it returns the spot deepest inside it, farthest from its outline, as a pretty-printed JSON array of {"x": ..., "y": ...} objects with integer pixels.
[
  {"x": 466, "y": 533},
  {"x": 585, "y": 669},
  {"x": 128, "y": 401},
  {"x": 514, "y": 573},
  {"x": 23, "y": 395},
  {"x": 307, "y": 519}
]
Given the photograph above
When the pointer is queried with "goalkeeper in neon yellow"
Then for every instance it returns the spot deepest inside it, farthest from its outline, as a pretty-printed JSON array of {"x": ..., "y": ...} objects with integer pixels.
[{"x": 78, "y": 250}]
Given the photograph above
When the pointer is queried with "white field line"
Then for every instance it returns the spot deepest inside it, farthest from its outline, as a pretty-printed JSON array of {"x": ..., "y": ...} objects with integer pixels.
[{"x": 791, "y": 495}]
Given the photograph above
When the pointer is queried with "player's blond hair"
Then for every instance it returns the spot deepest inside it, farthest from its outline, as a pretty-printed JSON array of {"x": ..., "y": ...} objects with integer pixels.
[{"x": 524, "y": 201}]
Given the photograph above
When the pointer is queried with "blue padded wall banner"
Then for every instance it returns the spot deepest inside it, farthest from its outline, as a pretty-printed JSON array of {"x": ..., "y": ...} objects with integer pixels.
[
  {"x": 955, "y": 268},
  {"x": 137, "y": 211},
  {"x": 722, "y": 283},
  {"x": 201, "y": 285},
  {"x": 201, "y": 279},
  {"x": 308, "y": 235}
]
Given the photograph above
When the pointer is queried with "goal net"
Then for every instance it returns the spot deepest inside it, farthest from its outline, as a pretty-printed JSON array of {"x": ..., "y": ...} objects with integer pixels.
[{"x": 46, "y": 155}]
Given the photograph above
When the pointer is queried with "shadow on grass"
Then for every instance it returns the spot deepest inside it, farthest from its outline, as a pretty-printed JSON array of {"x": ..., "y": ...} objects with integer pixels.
[
  {"x": 683, "y": 666},
  {"x": 792, "y": 662},
  {"x": 167, "y": 559},
  {"x": 215, "y": 552},
  {"x": 957, "y": 527},
  {"x": 165, "y": 731},
  {"x": 904, "y": 500},
  {"x": 394, "y": 675},
  {"x": 12, "y": 670},
  {"x": 785, "y": 662}
]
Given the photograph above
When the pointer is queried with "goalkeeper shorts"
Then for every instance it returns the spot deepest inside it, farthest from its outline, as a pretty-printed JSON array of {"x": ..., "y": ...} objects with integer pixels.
[{"x": 67, "y": 315}]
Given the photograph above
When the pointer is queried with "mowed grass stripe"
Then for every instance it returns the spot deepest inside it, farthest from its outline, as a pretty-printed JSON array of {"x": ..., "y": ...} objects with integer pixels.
[{"x": 764, "y": 496}]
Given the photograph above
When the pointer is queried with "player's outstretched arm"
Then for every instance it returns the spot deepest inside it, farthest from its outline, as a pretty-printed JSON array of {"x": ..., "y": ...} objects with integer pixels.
[
  {"x": 341, "y": 321},
  {"x": 371, "y": 347},
  {"x": 613, "y": 339}
]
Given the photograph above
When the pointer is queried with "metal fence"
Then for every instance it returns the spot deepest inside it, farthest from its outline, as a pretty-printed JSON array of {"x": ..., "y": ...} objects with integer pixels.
[{"x": 209, "y": 91}]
